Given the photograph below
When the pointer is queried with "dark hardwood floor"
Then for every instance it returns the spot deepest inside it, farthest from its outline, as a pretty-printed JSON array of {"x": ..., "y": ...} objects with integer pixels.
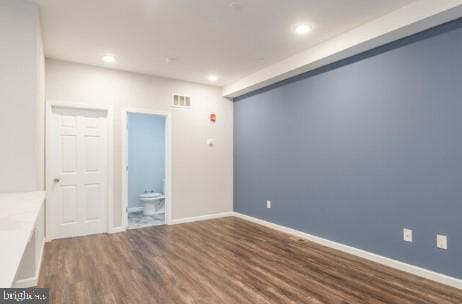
[{"x": 223, "y": 261}]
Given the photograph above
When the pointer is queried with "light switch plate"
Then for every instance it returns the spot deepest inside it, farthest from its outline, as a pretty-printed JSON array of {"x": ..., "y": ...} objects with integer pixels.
[
  {"x": 407, "y": 235},
  {"x": 442, "y": 241},
  {"x": 268, "y": 204}
]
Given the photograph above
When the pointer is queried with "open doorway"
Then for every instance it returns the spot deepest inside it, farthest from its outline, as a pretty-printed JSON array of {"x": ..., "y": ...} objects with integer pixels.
[{"x": 146, "y": 176}]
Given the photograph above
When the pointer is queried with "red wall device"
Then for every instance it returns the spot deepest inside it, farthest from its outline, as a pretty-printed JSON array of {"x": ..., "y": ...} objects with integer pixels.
[{"x": 213, "y": 117}]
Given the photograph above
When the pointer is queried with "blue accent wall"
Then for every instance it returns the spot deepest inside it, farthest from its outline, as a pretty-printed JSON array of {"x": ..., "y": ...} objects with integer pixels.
[
  {"x": 356, "y": 151},
  {"x": 146, "y": 155}
]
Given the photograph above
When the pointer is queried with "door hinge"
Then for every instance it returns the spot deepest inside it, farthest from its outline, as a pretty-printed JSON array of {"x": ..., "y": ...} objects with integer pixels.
[{"x": 126, "y": 168}]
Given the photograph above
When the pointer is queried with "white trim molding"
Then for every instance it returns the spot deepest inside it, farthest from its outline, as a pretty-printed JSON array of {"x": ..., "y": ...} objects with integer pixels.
[
  {"x": 118, "y": 229},
  {"x": 201, "y": 218},
  {"x": 26, "y": 283},
  {"x": 415, "y": 270},
  {"x": 418, "y": 16}
]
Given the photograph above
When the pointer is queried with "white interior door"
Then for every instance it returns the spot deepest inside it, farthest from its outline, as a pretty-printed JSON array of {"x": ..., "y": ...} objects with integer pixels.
[{"x": 79, "y": 159}]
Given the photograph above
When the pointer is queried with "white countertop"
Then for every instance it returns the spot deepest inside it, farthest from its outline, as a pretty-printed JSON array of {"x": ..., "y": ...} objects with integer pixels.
[{"x": 18, "y": 214}]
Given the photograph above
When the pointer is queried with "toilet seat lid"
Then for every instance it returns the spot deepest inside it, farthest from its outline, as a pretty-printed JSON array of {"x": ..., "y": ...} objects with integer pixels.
[{"x": 150, "y": 195}]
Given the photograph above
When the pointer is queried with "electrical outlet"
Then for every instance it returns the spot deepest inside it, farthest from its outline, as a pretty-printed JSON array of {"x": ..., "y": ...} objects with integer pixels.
[
  {"x": 442, "y": 241},
  {"x": 268, "y": 204},
  {"x": 407, "y": 235}
]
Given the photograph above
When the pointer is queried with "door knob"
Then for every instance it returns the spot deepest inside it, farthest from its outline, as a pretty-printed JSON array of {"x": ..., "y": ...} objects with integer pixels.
[{"x": 56, "y": 180}]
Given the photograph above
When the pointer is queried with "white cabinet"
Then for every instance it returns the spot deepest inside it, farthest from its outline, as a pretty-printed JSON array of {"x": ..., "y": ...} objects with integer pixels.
[
  {"x": 22, "y": 235},
  {"x": 29, "y": 268}
]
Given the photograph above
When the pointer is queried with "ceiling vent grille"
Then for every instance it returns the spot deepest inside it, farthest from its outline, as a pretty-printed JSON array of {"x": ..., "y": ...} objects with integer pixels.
[{"x": 181, "y": 101}]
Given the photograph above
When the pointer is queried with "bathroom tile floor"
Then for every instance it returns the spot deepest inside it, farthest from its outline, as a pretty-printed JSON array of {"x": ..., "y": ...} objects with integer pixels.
[{"x": 138, "y": 220}]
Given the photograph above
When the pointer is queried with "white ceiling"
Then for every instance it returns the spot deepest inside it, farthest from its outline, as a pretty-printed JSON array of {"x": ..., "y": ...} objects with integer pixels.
[{"x": 205, "y": 36}]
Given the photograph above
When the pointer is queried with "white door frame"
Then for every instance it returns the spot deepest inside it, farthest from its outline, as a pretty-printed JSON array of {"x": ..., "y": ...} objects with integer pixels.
[
  {"x": 168, "y": 161},
  {"x": 49, "y": 132}
]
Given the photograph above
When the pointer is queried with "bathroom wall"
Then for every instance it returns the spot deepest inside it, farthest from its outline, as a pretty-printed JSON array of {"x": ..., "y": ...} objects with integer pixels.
[
  {"x": 146, "y": 155},
  {"x": 357, "y": 151},
  {"x": 202, "y": 177},
  {"x": 22, "y": 97}
]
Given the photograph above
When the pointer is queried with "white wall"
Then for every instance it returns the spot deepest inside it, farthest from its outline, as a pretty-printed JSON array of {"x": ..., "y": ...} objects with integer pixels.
[
  {"x": 21, "y": 97},
  {"x": 202, "y": 177}
]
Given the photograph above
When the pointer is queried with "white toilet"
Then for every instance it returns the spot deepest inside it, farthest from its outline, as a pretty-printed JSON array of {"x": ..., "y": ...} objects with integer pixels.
[{"x": 153, "y": 203}]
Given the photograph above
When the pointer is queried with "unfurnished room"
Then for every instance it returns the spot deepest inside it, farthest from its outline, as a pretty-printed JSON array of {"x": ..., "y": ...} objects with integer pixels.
[{"x": 231, "y": 151}]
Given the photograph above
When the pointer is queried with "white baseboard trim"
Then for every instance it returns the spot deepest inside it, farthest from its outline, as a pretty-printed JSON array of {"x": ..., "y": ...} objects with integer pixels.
[
  {"x": 33, "y": 281},
  {"x": 200, "y": 218},
  {"x": 26, "y": 283},
  {"x": 415, "y": 270},
  {"x": 117, "y": 229}
]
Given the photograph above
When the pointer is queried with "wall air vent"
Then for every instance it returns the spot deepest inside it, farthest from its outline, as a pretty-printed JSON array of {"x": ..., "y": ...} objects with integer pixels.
[{"x": 181, "y": 101}]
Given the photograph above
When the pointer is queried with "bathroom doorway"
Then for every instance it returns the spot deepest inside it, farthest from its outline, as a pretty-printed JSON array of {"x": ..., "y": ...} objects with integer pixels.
[{"x": 146, "y": 176}]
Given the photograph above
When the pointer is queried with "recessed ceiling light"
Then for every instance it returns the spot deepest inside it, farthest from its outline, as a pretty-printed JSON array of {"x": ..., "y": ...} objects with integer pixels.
[
  {"x": 235, "y": 5},
  {"x": 302, "y": 29},
  {"x": 212, "y": 78},
  {"x": 108, "y": 58}
]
